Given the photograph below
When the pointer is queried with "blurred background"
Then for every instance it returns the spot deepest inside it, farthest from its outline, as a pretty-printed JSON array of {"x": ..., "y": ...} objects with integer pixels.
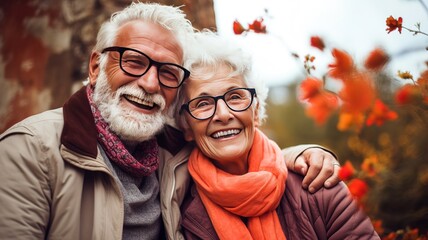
[{"x": 45, "y": 47}]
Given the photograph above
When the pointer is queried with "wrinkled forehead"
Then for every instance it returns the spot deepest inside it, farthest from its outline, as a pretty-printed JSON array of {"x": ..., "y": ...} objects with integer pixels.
[
  {"x": 212, "y": 80},
  {"x": 151, "y": 38}
]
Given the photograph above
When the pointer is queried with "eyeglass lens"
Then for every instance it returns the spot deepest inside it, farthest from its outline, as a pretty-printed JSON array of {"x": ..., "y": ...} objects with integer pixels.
[
  {"x": 137, "y": 64},
  {"x": 236, "y": 99}
]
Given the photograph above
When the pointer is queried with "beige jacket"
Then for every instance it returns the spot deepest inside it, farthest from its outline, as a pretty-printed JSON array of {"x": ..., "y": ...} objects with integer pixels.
[{"x": 55, "y": 184}]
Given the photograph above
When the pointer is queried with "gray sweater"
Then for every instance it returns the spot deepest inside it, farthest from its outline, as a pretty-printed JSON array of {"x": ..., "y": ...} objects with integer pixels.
[{"x": 142, "y": 204}]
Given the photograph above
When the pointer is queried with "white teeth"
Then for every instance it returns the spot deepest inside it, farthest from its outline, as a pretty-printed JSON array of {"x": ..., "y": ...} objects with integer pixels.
[
  {"x": 226, "y": 133},
  {"x": 140, "y": 101}
]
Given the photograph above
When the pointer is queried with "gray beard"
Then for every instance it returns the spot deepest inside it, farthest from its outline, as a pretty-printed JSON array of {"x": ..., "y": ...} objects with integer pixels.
[{"x": 130, "y": 126}]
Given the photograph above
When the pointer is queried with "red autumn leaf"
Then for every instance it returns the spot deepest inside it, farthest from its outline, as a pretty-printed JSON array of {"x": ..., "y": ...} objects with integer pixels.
[
  {"x": 376, "y": 60},
  {"x": 322, "y": 106},
  {"x": 423, "y": 81},
  {"x": 317, "y": 42},
  {"x": 412, "y": 234},
  {"x": 350, "y": 121},
  {"x": 408, "y": 94},
  {"x": 358, "y": 93},
  {"x": 380, "y": 113},
  {"x": 358, "y": 188},
  {"x": 393, "y": 24},
  {"x": 343, "y": 65},
  {"x": 321, "y": 103},
  {"x": 346, "y": 171},
  {"x": 238, "y": 28},
  {"x": 310, "y": 87},
  {"x": 257, "y": 26},
  {"x": 377, "y": 225},
  {"x": 390, "y": 236}
]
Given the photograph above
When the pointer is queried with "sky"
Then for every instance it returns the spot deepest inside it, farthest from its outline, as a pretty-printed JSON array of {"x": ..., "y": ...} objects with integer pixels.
[{"x": 356, "y": 26}]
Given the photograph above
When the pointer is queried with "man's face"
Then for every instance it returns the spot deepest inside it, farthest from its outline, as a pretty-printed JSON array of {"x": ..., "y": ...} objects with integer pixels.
[{"x": 136, "y": 107}]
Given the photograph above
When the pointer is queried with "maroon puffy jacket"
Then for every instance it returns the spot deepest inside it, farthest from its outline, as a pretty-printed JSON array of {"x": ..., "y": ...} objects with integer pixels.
[{"x": 326, "y": 214}]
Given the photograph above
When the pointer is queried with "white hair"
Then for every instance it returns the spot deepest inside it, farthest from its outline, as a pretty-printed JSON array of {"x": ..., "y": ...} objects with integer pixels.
[
  {"x": 169, "y": 17},
  {"x": 213, "y": 51},
  {"x": 172, "y": 19}
]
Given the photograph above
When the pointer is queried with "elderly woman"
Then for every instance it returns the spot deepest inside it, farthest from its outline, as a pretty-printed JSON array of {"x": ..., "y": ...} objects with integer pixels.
[{"x": 242, "y": 189}]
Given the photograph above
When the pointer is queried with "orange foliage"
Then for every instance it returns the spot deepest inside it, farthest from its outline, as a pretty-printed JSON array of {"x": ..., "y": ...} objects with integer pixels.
[
  {"x": 310, "y": 87},
  {"x": 380, "y": 113},
  {"x": 393, "y": 24},
  {"x": 350, "y": 121},
  {"x": 408, "y": 94},
  {"x": 322, "y": 106},
  {"x": 317, "y": 42},
  {"x": 258, "y": 26},
  {"x": 377, "y": 224},
  {"x": 238, "y": 28},
  {"x": 423, "y": 81},
  {"x": 411, "y": 234},
  {"x": 343, "y": 66},
  {"x": 359, "y": 105},
  {"x": 390, "y": 236},
  {"x": 322, "y": 103},
  {"x": 358, "y": 93},
  {"x": 346, "y": 171},
  {"x": 413, "y": 93},
  {"x": 376, "y": 60},
  {"x": 358, "y": 188}
]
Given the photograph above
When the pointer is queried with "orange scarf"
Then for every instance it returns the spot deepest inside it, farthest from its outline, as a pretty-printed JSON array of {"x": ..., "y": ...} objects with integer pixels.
[{"x": 254, "y": 195}]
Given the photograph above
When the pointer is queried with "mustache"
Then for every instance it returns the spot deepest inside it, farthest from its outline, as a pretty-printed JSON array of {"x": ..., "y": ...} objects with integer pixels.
[{"x": 157, "y": 99}]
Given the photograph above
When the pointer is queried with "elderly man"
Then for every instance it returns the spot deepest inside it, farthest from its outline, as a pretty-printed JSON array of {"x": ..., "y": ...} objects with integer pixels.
[{"x": 105, "y": 166}]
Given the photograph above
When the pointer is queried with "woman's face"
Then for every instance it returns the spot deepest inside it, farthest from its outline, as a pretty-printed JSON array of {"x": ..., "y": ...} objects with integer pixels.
[{"x": 227, "y": 136}]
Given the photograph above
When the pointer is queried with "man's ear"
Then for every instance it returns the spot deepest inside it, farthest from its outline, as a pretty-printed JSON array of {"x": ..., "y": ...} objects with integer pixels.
[{"x": 94, "y": 67}]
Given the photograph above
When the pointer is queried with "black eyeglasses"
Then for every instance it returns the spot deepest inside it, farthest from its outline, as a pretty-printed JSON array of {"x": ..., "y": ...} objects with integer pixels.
[
  {"x": 204, "y": 107},
  {"x": 136, "y": 64}
]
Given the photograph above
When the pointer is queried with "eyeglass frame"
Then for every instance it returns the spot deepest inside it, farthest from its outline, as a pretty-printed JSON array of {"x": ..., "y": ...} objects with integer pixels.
[
  {"x": 152, "y": 62},
  {"x": 185, "y": 107}
]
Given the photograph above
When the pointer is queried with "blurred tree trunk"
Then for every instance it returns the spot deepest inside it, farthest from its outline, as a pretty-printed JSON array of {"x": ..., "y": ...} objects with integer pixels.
[{"x": 45, "y": 47}]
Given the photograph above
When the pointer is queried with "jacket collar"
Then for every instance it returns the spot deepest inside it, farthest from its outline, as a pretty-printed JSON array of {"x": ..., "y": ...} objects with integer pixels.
[
  {"x": 80, "y": 133},
  {"x": 171, "y": 139}
]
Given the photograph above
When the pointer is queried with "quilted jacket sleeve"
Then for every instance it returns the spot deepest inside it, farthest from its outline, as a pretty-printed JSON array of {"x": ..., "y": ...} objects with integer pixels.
[
  {"x": 327, "y": 214},
  {"x": 342, "y": 216}
]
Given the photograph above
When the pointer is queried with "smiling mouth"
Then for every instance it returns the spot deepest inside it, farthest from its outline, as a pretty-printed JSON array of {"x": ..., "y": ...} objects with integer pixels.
[
  {"x": 140, "y": 103},
  {"x": 225, "y": 134}
]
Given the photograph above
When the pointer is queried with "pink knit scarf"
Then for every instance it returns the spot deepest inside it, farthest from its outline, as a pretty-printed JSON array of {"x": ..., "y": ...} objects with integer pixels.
[{"x": 146, "y": 159}]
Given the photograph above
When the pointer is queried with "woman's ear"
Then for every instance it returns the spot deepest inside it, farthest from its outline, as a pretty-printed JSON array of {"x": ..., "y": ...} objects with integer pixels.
[
  {"x": 94, "y": 67},
  {"x": 188, "y": 134},
  {"x": 256, "y": 115}
]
